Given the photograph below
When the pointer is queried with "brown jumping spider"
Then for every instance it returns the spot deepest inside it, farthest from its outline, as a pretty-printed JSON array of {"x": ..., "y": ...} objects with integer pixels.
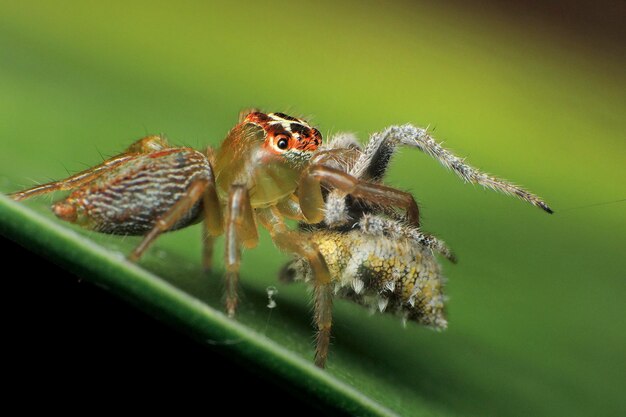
[{"x": 359, "y": 239}]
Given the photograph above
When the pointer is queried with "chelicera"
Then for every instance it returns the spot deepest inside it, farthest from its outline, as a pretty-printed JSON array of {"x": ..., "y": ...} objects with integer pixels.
[{"x": 358, "y": 238}]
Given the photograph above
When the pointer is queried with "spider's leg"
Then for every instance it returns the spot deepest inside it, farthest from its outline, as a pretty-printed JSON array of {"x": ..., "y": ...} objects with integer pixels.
[
  {"x": 213, "y": 224},
  {"x": 172, "y": 216},
  {"x": 208, "y": 243},
  {"x": 312, "y": 203},
  {"x": 72, "y": 182},
  {"x": 240, "y": 230},
  {"x": 382, "y": 145},
  {"x": 143, "y": 145},
  {"x": 383, "y": 226},
  {"x": 298, "y": 243}
]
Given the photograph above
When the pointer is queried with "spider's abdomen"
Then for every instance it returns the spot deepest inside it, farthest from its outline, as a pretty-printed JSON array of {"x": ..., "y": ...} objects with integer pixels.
[
  {"x": 130, "y": 199},
  {"x": 389, "y": 275}
]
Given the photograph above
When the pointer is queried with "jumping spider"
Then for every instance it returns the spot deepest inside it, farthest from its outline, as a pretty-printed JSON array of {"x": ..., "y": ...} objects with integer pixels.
[{"x": 358, "y": 238}]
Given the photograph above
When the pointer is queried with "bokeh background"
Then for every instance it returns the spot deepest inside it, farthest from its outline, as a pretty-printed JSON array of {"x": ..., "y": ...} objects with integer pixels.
[{"x": 535, "y": 93}]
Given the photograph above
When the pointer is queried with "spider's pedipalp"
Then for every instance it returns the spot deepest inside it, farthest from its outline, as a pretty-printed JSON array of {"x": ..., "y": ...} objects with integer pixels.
[{"x": 318, "y": 175}]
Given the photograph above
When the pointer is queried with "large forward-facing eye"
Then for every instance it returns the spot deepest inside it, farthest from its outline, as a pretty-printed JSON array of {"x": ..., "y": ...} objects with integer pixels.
[{"x": 282, "y": 143}]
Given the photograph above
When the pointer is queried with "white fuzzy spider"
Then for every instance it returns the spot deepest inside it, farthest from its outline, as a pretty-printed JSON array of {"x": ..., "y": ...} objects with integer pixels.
[{"x": 377, "y": 256}]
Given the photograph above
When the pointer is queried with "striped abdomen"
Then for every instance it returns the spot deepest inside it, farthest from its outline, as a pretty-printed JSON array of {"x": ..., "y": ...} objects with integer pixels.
[{"x": 130, "y": 198}]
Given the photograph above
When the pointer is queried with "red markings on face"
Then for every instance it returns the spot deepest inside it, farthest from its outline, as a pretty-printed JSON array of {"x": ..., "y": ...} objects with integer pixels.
[
  {"x": 284, "y": 133},
  {"x": 257, "y": 118}
]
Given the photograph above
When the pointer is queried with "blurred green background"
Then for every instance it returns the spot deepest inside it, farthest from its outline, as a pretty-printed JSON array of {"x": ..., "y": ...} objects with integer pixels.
[{"x": 536, "y": 305}]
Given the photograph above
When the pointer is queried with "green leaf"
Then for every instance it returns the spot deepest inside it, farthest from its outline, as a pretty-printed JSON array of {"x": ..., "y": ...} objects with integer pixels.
[
  {"x": 185, "y": 307},
  {"x": 536, "y": 301}
]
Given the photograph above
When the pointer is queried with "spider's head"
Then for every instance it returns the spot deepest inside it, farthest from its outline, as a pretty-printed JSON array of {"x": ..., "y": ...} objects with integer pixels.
[
  {"x": 286, "y": 136},
  {"x": 267, "y": 152}
]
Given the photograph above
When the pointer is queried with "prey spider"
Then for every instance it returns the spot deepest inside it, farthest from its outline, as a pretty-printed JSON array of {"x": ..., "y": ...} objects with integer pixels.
[{"x": 358, "y": 238}]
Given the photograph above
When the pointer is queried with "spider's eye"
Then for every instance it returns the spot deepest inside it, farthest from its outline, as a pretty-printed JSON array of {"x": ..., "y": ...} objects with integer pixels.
[{"x": 282, "y": 143}]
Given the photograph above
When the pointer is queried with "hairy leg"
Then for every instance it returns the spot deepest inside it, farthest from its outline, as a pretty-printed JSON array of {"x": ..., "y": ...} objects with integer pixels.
[
  {"x": 171, "y": 217},
  {"x": 213, "y": 222},
  {"x": 298, "y": 243},
  {"x": 312, "y": 202},
  {"x": 208, "y": 243},
  {"x": 382, "y": 226},
  {"x": 240, "y": 230},
  {"x": 143, "y": 145},
  {"x": 375, "y": 158}
]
